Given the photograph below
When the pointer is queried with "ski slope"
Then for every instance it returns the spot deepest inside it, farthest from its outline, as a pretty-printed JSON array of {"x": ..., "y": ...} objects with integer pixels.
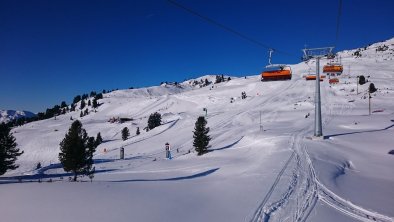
[{"x": 277, "y": 174}]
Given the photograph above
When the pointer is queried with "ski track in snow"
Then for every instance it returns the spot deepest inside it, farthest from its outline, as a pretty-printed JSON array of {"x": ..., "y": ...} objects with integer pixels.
[{"x": 305, "y": 189}]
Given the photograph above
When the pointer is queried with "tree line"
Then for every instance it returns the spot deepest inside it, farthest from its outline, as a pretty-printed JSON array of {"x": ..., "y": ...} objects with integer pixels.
[{"x": 62, "y": 109}]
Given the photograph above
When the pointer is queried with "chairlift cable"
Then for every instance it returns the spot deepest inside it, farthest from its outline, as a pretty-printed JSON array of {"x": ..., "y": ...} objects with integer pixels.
[
  {"x": 228, "y": 29},
  {"x": 338, "y": 21}
]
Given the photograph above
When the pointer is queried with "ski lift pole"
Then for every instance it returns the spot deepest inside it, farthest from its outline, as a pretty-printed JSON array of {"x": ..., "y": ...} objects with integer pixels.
[
  {"x": 122, "y": 153},
  {"x": 318, "y": 121},
  {"x": 369, "y": 102},
  {"x": 261, "y": 126},
  {"x": 318, "y": 53}
]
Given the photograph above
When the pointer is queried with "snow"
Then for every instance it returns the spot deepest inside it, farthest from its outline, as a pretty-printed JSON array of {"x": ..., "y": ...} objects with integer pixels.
[{"x": 278, "y": 174}]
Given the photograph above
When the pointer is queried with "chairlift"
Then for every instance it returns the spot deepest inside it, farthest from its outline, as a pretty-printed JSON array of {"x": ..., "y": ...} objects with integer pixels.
[
  {"x": 312, "y": 76},
  {"x": 333, "y": 67},
  {"x": 275, "y": 71}
]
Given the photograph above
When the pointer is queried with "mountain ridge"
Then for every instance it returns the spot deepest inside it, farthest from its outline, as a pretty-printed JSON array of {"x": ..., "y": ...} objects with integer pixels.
[{"x": 10, "y": 115}]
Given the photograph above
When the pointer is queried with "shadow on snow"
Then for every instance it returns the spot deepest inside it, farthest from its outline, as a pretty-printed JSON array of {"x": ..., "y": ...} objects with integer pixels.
[
  {"x": 202, "y": 174},
  {"x": 35, "y": 177},
  {"x": 365, "y": 131},
  {"x": 226, "y": 147}
]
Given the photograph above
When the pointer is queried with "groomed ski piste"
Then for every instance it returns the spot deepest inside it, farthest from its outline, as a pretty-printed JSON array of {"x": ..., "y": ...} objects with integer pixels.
[{"x": 275, "y": 173}]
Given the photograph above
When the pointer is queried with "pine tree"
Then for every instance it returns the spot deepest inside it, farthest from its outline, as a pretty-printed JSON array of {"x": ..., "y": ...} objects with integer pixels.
[
  {"x": 89, "y": 103},
  {"x": 138, "y": 131},
  {"x": 77, "y": 99},
  {"x": 361, "y": 80},
  {"x": 218, "y": 79},
  {"x": 93, "y": 93},
  {"x": 99, "y": 96},
  {"x": 125, "y": 133},
  {"x": 99, "y": 139},
  {"x": 154, "y": 120},
  {"x": 76, "y": 150},
  {"x": 91, "y": 174},
  {"x": 95, "y": 104},
  {"x": 372, "y": 88},
  {"x": 90, "y": 149},
  {"x": 201, "y": 137},
  {"x": 83, "y": 104},
  {"x": 38, "y": 166},
  {"x": 63, "y": 104},
  {"x": 81, "y": 114},
  {"x": 84, "y": 96},
  {"x": 206, "y": 82},
  {"x": 8, "y": 150}
]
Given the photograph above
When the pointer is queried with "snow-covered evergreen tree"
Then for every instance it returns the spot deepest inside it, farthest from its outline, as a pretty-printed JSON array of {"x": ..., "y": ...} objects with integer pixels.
[
  {"x": 98, "y": 140},
  {"x": 76, "y": 150},
  {"x": 8, "y": 150},
  {"x": 154, "y": 120},
  {"x": 125, "y": 133},
  {"x": 201, "y": 137}
]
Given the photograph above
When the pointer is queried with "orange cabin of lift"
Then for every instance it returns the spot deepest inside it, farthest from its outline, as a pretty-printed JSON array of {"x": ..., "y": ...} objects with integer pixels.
[
  {"x": 281, "y": 73},
  {"x": 313, "y": 77},
  {"x": 332, "y": 69},
  {"x": 334, "y": 81}
]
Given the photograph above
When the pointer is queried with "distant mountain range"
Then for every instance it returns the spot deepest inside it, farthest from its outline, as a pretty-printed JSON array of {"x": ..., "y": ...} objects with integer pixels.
[{"x": 9, "y": 115}]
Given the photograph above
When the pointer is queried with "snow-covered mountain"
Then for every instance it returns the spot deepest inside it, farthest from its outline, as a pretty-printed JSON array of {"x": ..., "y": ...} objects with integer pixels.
[
  {"x": 273, "y": 171},
  {"x": 9, "y": 115}
]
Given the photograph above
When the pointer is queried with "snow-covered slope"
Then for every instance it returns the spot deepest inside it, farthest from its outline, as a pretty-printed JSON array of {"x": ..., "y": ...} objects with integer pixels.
[
  {"x": 271, "y": 173},
  {"x": 9, "y": 115}
]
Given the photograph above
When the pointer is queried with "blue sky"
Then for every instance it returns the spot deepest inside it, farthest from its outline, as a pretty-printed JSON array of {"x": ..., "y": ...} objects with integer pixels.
[{"x": 51, "y": 51}]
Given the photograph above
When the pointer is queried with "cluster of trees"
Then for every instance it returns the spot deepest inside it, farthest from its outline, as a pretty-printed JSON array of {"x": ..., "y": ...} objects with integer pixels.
[
  {"x": 201, "y": 83},
  {"x": 200, "y": 133},
  {"x": 76, "y": 150},
  {"x": 154, "y": 120},
  {"x": 362, "y": 80},
  {"x": 170, "y": 83},
  {"x": 243, "y": 95},
  {"x": 382, "y": 48},
  {"x": 206, "y": 82},
  {"x": 94, "y": 102},
  {"x": 201, "y": 137},
  {"x": 220, "y": 78},
  {"x": 126, "y": 133},
  {"x": 63, "y": 108}
]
